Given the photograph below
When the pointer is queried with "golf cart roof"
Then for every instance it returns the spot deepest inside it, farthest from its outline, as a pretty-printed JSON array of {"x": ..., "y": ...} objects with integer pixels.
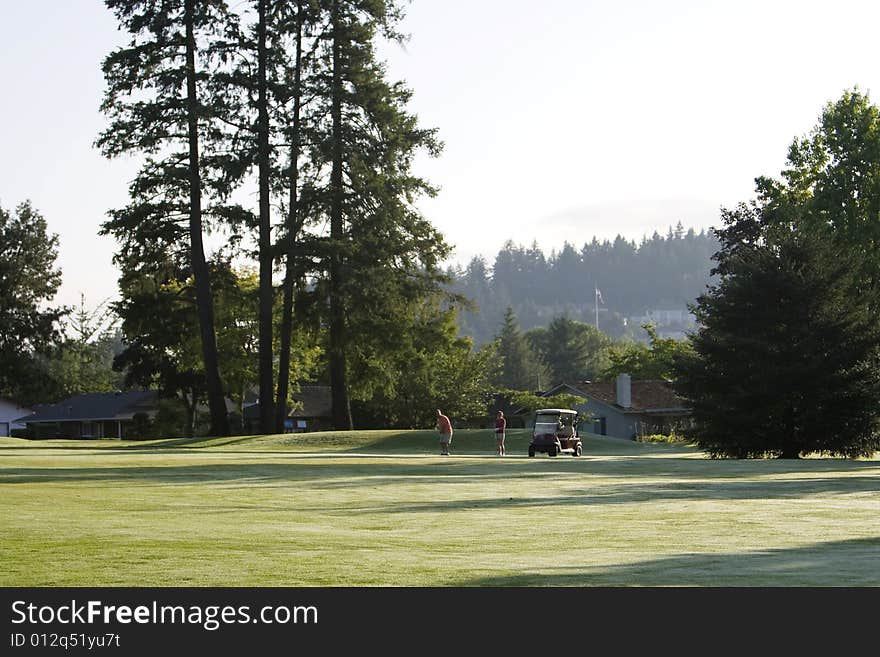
[{"x": 559, "y": 411}]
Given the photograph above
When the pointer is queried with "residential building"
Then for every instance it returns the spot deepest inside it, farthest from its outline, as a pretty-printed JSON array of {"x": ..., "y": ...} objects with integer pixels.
[
  {"x": 311, "y": 412},
  {"x": 92, "y": 415},
  {"x": 627, "y": 408},
  {"x": 10, "y": 416},
  {"x": 669, "y": 323}
]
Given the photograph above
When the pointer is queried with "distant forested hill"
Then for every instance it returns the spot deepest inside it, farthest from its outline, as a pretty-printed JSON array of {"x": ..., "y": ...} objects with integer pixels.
[{"x": 662, "y": 272}]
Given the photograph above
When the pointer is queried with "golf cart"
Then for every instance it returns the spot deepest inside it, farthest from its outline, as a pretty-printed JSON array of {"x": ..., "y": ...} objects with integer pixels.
[{"x": 555, "y": 432}]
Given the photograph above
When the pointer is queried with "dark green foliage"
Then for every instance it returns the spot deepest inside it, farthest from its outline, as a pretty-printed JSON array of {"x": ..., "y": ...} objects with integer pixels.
[
  {"x": 519, "y": 367},
  {"x": 427, "y": 367},
  {"x": 141, "y": 427},
  {"x": 380, "y": 249},
  {"x": 786, "y": 360},
  {"x": 161, "y": 103},
  {"x": 171, "y": 420},
  {"x": 29, "y": 281},
  {"x": 572, "y": 351}
]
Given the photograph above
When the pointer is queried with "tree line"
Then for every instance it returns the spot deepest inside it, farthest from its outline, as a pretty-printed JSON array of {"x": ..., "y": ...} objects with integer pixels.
[
  {"x": 285, "y": 102},
  {"x": 661, "y": 272},
  {"x": 330, "y": 270}
]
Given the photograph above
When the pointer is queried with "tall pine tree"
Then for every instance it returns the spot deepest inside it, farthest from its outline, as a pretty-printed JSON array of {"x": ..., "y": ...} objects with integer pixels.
[
  {"x": 380, "y": 251},
  {"x": 519, "y": 367},
  {"x": 161, "y": 104}
]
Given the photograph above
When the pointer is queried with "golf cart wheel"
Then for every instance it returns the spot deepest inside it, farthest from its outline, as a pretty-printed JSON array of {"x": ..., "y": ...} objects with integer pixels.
[
  {"x": 531, "y": 451},
  {"x": 551, "y": 451},
  {"x": 577, "y": 451}
]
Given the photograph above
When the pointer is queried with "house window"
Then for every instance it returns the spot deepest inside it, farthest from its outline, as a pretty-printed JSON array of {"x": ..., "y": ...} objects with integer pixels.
[{"x": 88, "y": 429}]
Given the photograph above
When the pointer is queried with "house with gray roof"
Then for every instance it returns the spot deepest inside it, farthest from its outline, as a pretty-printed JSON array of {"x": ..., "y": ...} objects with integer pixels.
[
  {"x": 311, "y": 410},
  {"x": 627, "y": 408},
  {"x": 10, "y": 414},
  {"x": 92, "y": 415}
]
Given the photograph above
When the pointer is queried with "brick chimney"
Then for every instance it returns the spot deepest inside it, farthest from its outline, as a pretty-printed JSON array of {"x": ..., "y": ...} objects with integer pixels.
[{"x": 624, "y": 391}]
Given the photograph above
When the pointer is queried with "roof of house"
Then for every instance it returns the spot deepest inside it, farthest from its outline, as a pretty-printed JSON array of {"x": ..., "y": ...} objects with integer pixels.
[
  {"x": 314, "y": 401},
  {"x": 96, "y": 406},
  {"x": 652, "y": 395},
  {"x": 9, "y": 406}
]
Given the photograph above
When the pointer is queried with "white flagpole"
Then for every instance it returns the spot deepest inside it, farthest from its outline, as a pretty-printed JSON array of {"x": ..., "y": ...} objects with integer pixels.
[{"x": 596, "y": 287}]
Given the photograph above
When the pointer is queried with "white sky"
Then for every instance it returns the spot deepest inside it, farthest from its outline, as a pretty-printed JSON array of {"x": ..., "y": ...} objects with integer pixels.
[{"x": 563, "y": 119}]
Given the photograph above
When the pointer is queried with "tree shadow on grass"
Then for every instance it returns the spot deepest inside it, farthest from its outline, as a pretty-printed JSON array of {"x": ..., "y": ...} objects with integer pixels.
[
  {"x": 838, "y": 563},
  {"x": 684, "y": 478},
  {"x": 641, "y": 493},
  {"x": 350, "y": 474}
]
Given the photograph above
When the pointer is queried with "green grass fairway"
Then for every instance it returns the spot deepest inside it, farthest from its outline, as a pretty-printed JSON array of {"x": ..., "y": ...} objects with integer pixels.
[{"x": 384, "y": 508}]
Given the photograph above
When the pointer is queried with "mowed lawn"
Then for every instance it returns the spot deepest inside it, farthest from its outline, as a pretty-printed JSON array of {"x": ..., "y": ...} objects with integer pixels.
[{"x": 383, "y": 508}]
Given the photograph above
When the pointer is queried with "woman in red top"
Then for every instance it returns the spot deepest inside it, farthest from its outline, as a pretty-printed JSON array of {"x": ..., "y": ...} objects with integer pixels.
[{"x": 500, "y": 428}]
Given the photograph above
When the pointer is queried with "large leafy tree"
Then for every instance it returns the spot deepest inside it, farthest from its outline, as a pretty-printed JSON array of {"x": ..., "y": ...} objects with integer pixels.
[
  {"x": 785, "y": 361},
  {"x": 164, "y": 354},
  {"x": 162, "y": 105},
  {"x": 831, "y": 185},
  {"x": 29, "y": 280},
  {"x": 656, "y": 360},
  {"x": 429, "y": 367}
]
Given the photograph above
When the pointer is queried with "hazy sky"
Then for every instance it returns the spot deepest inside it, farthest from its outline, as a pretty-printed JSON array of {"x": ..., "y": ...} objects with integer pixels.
[{"x": 563, "y": 119}]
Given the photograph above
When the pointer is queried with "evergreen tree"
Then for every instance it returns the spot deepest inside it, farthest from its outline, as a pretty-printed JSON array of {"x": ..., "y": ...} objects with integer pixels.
[
  {"x": 271, "y": 53},
  {"x": 83, "y": 361},
  {"x": 572, "y": 351},
  {"x": 265, "y": 255},
  {"x": 519, "y": 367},
  {"x": 381, "y": 253},
  {"x": 161, "y": 104},
  {"x": 786, "y": 359},
  {"x": 295, "y": 20}
]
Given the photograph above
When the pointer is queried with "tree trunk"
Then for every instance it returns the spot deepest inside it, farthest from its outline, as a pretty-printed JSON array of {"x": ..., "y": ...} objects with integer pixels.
[
  {"x": 293, "y": 228},
  {"x": 190, "y": 406},
  {"x": 265, "y": 244},
  {"x": 341, "y": 411},
  {"x": 791, "y": 450},
  {"x": 204, "y": 298}
]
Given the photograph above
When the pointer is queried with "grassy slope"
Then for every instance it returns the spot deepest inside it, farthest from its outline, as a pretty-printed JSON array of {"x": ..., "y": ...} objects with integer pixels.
[{"x": 382, "y": 508}]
